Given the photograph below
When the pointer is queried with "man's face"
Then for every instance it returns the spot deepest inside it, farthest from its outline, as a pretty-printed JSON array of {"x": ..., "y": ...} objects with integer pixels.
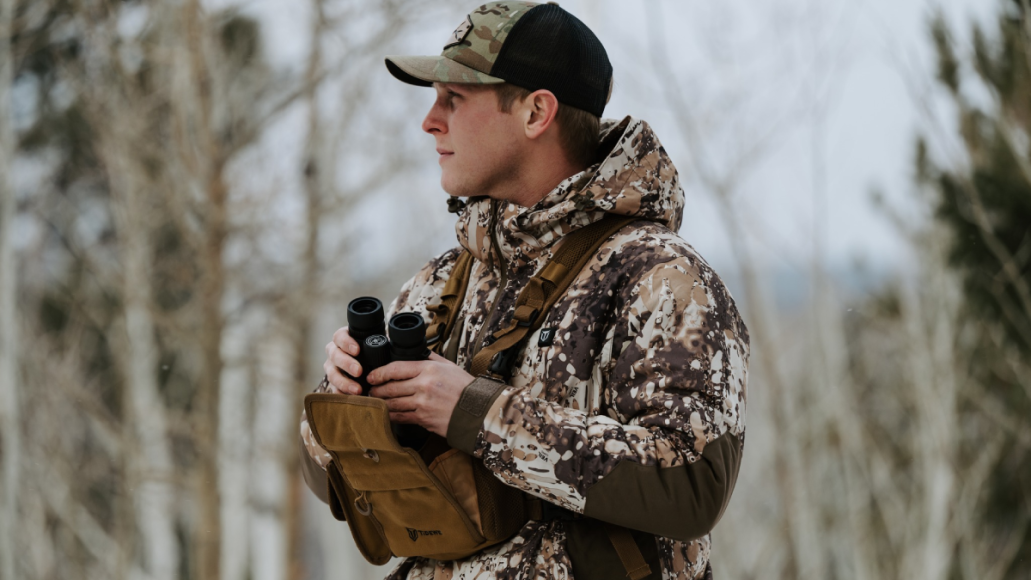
[{"x": 479, "y": 146}]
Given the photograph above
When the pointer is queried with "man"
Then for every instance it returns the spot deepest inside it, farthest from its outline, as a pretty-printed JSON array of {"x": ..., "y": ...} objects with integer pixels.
[{"x": 627, "y": 406}]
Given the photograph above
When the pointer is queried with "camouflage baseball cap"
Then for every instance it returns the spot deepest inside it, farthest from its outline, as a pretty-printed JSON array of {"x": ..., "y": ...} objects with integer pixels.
[{"x": 535, "y": 46}]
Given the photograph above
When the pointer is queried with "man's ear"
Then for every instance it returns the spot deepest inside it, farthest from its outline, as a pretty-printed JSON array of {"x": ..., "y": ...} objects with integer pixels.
[{"x": 539, "y": 109}]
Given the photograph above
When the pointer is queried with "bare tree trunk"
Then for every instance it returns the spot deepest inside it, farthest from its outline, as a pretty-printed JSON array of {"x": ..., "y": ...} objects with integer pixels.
[
  {"x": 207, "y": 159},
  {"x": 118, "y": 111},
  {"x": 788, "y": 464},
  {"x": 10, "y": 421},
  {"x": 931, "y": 359},
  {"x": 154, "y": 492},
  {"x": 306, "y": 302},
  {"x": 209, "y": 533}
]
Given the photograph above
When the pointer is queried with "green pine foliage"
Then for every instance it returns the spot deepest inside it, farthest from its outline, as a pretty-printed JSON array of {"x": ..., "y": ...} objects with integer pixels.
[{"x": 986, "y": 206}]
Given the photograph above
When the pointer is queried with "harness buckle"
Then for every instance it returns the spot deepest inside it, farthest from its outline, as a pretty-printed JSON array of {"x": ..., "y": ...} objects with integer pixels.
[{"x": 501, "y": 364}]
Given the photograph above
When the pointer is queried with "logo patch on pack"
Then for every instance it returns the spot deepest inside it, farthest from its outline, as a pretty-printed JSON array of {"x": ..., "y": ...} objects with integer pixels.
[
  {"x": 460, "y": 33},
  {"x": 547, "y": 336},
  {"x": 414, "y": 533}
]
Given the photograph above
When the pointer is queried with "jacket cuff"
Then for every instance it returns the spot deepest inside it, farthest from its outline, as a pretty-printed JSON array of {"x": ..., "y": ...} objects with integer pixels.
[{"x": 466, "y": 422}]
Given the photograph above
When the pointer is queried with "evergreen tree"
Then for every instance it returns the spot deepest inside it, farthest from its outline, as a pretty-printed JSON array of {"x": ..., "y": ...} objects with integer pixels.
[{"x": 986, "y": 206}]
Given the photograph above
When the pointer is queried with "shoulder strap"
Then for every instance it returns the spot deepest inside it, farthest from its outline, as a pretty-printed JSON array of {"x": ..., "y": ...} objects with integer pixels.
[
  {"x": 541, "y": 293},
  {"x": 628, "y": 551},
  {"x": 444, "y": 314}
]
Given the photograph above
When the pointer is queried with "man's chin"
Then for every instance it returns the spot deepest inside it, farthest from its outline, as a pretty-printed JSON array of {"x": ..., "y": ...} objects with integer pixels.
[{"x": 453, "y": 189}]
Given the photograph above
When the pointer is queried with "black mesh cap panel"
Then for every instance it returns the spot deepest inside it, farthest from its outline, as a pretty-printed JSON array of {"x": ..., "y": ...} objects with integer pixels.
[{"x": 549, "y": 48}]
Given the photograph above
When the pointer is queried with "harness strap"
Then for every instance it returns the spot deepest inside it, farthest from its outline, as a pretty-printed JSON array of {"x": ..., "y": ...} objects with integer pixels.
[
  {"x": 628, "y": 551},
  {"x": 541, "y": 293},
  {"x": 444, "y": 314}
]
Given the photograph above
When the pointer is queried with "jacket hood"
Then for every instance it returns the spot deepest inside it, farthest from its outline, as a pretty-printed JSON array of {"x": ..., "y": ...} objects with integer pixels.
[{"x": 634, "y": 178}]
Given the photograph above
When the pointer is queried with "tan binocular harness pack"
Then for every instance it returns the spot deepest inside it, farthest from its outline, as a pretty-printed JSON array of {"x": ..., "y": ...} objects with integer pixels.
[{"x": 439, "y": 502}]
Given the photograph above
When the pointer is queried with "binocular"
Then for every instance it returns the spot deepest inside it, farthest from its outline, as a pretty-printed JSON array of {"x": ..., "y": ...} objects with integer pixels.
[{"x": 379, "y": 343}]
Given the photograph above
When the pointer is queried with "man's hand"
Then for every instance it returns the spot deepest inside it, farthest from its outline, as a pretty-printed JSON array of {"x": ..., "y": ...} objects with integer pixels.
[
  {"x": 340, "y": 353},
  {"x": 421, "y": 392}
]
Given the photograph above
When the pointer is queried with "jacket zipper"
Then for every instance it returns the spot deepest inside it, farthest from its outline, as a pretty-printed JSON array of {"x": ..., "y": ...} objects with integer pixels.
[{"x": 495, "y": 207}]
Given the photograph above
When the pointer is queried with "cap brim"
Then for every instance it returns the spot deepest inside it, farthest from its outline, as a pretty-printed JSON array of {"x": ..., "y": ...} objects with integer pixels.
[{"x": 426, "y": 70}]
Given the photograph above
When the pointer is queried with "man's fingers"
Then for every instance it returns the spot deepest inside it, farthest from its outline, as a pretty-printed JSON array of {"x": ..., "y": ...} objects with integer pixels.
[
  {"x": 393, "y": 390},
  {"x": 339, "y": 382},
  {"x": 345, "y": 362},
  {"x": 408, "y": 418},
  {"x": 402, "y": 405},
  {"x": 342, "y": 338},
  {"x": 396, "y": 371}
]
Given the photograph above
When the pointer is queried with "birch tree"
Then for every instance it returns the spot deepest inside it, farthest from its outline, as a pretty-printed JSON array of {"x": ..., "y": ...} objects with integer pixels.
[
  {"x": 116, "y": 108},
  {"x": 124, "y": 89},
  {"x": 10, "y": 416}
]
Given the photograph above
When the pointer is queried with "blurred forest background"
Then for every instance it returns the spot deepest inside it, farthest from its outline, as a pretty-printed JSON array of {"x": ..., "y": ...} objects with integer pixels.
[{"x": 185, "y": 212}]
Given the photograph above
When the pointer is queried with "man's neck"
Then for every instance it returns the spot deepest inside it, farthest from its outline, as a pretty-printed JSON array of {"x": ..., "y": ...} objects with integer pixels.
[{"x": 537, "y": 181}]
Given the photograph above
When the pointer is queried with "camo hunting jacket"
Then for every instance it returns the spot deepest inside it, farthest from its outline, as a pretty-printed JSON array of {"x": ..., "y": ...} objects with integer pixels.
[{"x": 627, "y": 405}]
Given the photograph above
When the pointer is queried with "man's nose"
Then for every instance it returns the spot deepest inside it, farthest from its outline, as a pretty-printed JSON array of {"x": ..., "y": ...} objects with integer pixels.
[{"x": 434, "y": 121}]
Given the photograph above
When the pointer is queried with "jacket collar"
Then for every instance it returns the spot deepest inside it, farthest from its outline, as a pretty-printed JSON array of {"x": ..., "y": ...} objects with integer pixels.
[{"x": 634, "y": 178}]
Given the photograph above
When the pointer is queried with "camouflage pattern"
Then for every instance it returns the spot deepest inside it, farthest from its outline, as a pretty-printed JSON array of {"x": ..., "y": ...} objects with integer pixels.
[
  {"x": 470, "y": 51},
  {"x": 315, "y": 451},
  {"x": 431, "y": 69},
  {"x": 648, "y": 364},
  {"x": 537, "y": 552},
  {"x": 483, "y": 33}
]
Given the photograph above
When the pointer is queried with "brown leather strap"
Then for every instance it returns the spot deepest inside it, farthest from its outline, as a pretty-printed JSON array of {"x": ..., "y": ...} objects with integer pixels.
[
  {"x": 628, "y": 551},
  {"x": 544, "y": 289},
  {"x": 444, "y": 314}
]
